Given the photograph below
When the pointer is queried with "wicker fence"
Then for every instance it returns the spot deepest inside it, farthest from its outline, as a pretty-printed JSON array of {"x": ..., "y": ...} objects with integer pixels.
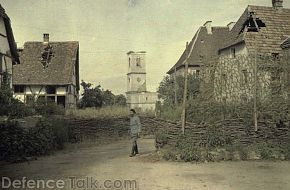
[{"x": 236, "y": 130}]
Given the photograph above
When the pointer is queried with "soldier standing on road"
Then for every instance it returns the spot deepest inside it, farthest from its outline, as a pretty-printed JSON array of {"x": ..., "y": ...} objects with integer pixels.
[{"x": 135, "y": 129}]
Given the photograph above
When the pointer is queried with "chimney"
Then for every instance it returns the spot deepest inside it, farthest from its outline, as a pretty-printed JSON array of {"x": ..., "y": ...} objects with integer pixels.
[
  {"x": 277, "y": 4},
  {"x": 208, "y": 27},
  {"x": 231, "y": 25},
  {"x": 45, "y": 38}
]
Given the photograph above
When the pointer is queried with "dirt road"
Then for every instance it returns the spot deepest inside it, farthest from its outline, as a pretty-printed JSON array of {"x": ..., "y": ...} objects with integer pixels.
[{"x": 111, "y": 162}]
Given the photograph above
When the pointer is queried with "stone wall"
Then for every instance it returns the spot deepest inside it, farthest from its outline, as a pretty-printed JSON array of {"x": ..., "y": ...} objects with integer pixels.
[{"x": 235, "y": 129}]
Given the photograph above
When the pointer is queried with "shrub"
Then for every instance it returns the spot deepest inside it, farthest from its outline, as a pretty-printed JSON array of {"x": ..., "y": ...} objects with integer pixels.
[
  {"x": 48, "y": 108},
  {"x": 12, "y": 107},
  {"x": 170, "y": 153},
  {"x": 18, "y": 109},
  {"x": 18, "y": 143},
  {"x": 172, "y": 113},
  {"x": 161, "y": 138},
  {"x": 12, "y": 141},
  {"x": 188, "y": 150},
  {"x": 42, "y": 139},
  {"x": 264, "y": 150},
  {"x": 286, "y": 151},
  {"x": 61, "y": 130}
]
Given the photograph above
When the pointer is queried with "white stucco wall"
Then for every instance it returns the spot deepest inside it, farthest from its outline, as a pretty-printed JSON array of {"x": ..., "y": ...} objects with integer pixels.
[
  {"x": 4, "y": 45},
  {"x": 19, "y": 97},
  {"x": 180, "y": 72},
  {"x": 144, "y": 100},
  {"x": 37, "y": 90},
  {"x": 61, "y": 91},
  {"x": 135, "y": 82},
  {"x": 6, "y": 61},
  {"x": 241, "y": 49},
  {"x": 136, "y": 77},
  {"x": 132, "y": 60}
]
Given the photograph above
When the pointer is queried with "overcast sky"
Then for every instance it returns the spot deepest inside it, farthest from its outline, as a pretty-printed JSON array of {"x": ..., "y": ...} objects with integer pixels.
[{"x": 108, "y": 29}]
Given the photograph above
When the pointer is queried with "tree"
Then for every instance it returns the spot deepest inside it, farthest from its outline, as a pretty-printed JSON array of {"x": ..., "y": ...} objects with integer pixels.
[
  {"x": 108, "y": 98},
  {"x": 166, "y": 89},
  {"x": 97, "y": 97},
  {"x": 92, "y": 96},
  {"x": 120, "y": 100}
]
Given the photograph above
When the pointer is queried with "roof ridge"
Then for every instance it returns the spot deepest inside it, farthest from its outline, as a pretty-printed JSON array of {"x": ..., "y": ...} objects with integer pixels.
[
  {"x": 219, "y": 27},
  {"x": 263, "y": 6},
  {"x": 51, "y": 41}
]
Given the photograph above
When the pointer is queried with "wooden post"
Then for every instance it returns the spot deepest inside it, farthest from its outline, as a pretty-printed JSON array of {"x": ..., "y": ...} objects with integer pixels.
[
  {"x": 175, "y": 88},
  {"x": 255, "y": 78},
  {"x": 183, "y": 115},
  {"x": 255, "y": 95}
]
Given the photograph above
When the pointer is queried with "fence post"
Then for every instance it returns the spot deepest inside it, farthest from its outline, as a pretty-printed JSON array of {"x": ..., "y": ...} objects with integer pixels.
[
  {"x": 175, "y": 87},
  {"x": 255, "y": 94},
  {"x": 183, "y": 115}
]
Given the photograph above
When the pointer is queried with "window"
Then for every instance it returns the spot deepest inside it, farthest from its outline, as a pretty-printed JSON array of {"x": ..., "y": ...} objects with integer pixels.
[
  {"x": 50, "y": 99},
  {"x": 196, "y": 74},
  {"x": 138, "y": 62},
  {"x": 139, "y": 79},
  {"x": 129, "y": 61},
  {"x": 50, "y": 89},
  {"x": 19, "y": 88},
  {"x": 60, "y": 100},
  {"x": 224, "y": 80},
  {"x": 275, "y": 56},
  {"x": 245, "y": 76},
  {"x": 233, "y": 52}
]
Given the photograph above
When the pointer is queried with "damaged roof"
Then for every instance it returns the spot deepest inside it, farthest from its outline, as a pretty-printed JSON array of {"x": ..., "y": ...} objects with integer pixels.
[
  {"x": 205, "y": 46},
  {"x": 58, "y": 71},
  {"x": 10, "y": 36},
  {"x": 269, "y": 38},
  {"x": 286, "y": 44}
]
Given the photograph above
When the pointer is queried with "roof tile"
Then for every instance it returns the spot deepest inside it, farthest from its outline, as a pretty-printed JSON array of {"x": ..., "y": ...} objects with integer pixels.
[{"x": 59, "y": 70}]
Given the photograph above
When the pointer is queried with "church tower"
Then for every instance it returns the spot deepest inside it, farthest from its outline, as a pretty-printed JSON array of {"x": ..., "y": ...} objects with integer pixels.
[
  {"x": 136, "y": 77},
  {"x": 137, "y": 95}
]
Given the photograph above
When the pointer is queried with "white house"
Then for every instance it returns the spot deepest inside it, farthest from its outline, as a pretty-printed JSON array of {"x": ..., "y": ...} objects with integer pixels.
[{"x": 49, "y": 71}]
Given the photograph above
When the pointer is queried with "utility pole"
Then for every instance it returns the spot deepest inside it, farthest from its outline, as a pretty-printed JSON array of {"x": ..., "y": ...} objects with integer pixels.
[
  {"x": 255, "y": 95},
  {"x": 183, "y": 115},
  {"x": 187, "y": 54},
  {"x": 255, "y": 77}
]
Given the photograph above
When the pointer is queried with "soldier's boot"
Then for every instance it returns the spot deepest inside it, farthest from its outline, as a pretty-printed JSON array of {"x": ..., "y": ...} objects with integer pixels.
[
  {"x": 133, "y": 151},
  {"x": 136, "y": 149}
]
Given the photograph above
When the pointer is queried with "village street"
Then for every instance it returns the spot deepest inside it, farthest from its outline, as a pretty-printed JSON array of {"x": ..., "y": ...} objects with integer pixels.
[{"x": 111, "y": 162}]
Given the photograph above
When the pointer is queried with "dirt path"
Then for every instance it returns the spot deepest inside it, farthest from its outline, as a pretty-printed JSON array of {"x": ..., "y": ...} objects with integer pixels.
[{"x": 111, "y": 162}]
